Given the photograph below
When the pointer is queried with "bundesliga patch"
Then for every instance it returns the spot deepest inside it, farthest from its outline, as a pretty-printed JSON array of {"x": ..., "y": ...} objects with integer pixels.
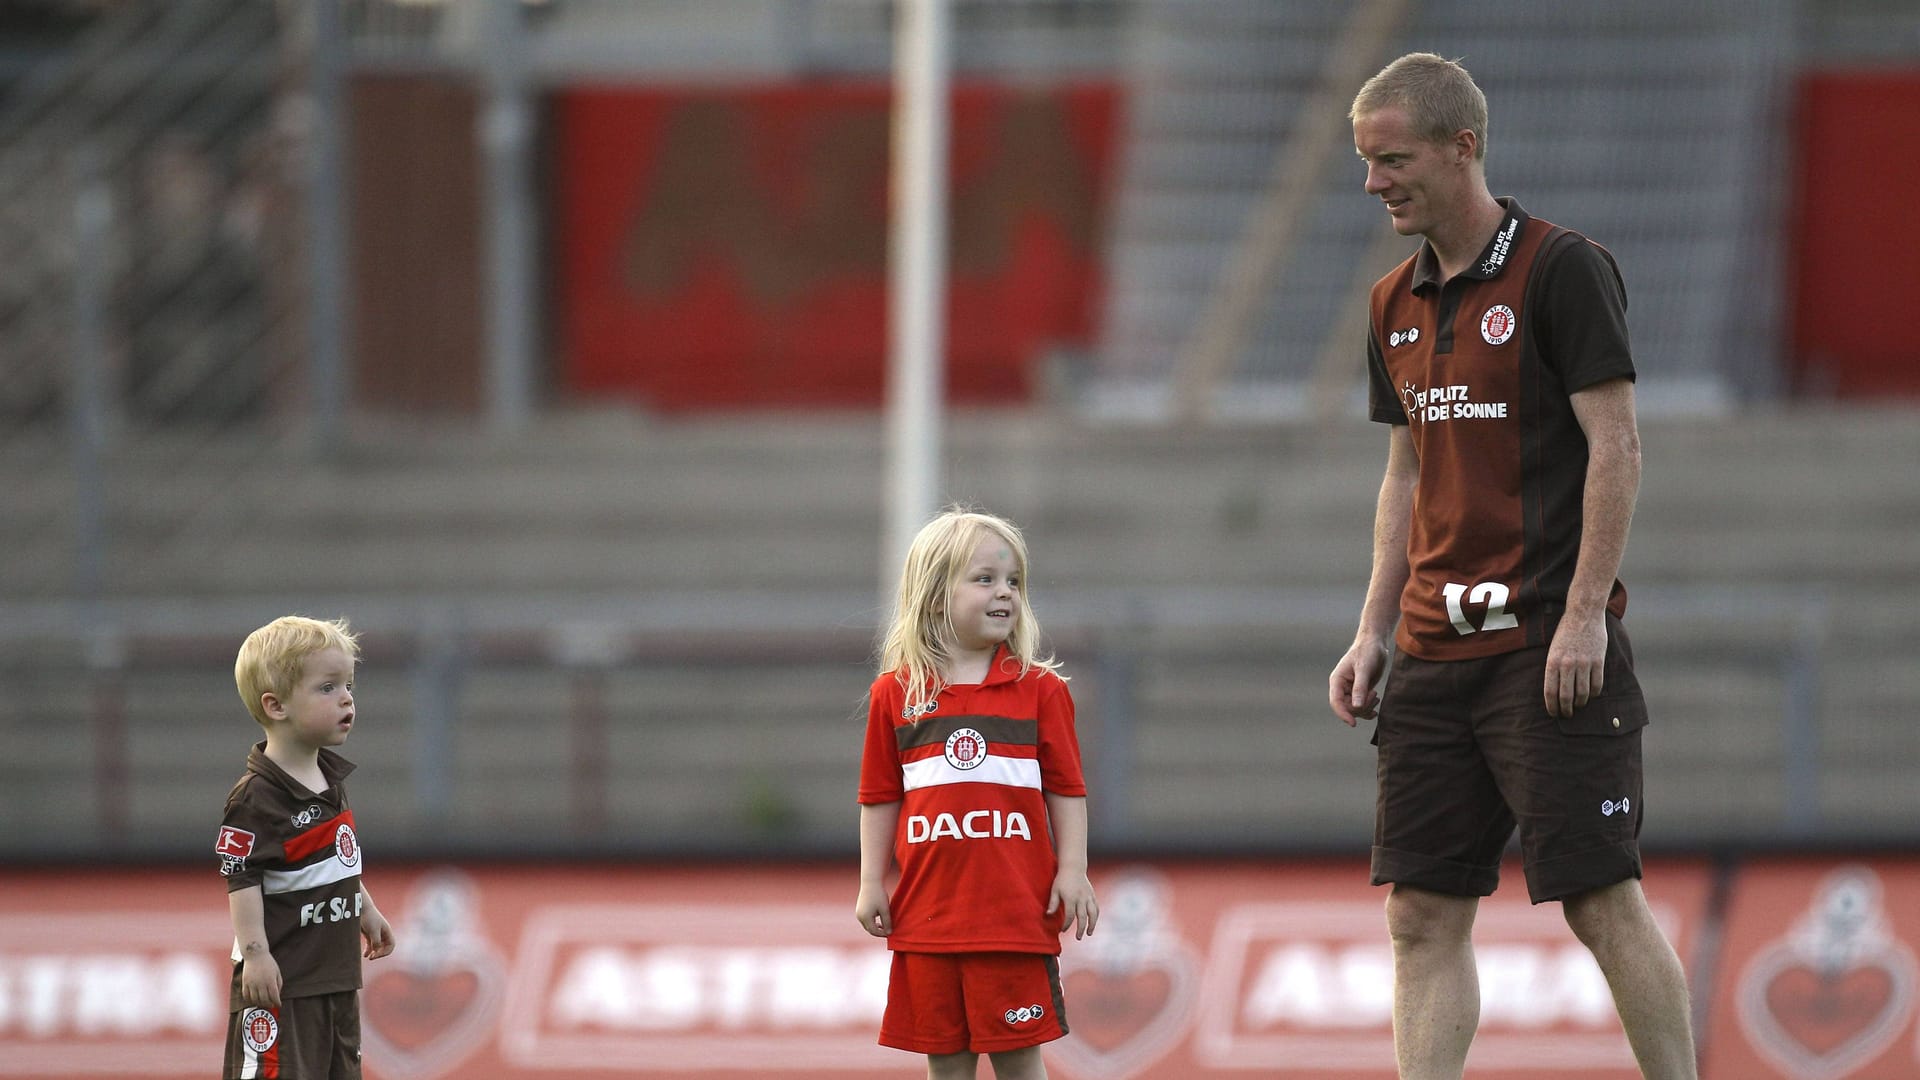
[
  {"x": 233, "y": 843},
  {"x": 1496, "y": 326},
  {"x": 966, "y": 749},
  {"x": 259, "y": 1030}
]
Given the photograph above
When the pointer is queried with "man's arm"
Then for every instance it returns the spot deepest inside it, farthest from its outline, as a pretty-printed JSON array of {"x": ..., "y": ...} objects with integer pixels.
[
  {"x": 1350, "y": 688},
  {"x": 1577, "y": 659}
]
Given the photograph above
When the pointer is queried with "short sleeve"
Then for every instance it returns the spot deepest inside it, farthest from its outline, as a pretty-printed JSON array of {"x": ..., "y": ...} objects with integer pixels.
[
  {"x": 881, "y": 780},
  {"x": 241, "y": 845},
  {"x": 1583, "y": 321},
  {"x": 1060, "y": 772},
  {"x": 1383, "y": 401}
]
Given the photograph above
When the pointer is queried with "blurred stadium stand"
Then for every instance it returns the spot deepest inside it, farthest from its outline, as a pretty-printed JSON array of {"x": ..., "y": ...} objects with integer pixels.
[{"x": 601, "y": 631}]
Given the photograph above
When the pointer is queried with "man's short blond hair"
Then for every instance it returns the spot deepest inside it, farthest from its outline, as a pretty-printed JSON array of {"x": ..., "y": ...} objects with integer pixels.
[
  {"x": 1438, "y": 94},
  {"x": 274, "y": 657}
]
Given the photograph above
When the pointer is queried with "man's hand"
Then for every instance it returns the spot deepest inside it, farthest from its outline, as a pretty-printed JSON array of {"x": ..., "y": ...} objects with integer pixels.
[
  {"x": 1576, "y": 664},
  {"x": 1350, "y": 689}
]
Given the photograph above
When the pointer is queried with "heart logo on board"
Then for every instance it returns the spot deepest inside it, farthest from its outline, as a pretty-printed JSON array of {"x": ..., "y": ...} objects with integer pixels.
[
  {"x": 430, "y": 1005},
  {"x": 1837, "y": 990},
  {"x": 1130, "y": 990}
]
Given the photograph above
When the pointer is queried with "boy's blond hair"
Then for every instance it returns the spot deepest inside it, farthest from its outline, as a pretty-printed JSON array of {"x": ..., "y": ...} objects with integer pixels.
[
  {"x": 274, "y": 657},
  {"x": 1438, "y": 94},
  {"x": 919, "y": 646}
]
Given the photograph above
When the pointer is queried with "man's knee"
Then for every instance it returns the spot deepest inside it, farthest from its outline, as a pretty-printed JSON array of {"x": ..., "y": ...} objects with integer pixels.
[
  {"x": 1418, "y": 918},
  {"x": 1600, "y": 917}
]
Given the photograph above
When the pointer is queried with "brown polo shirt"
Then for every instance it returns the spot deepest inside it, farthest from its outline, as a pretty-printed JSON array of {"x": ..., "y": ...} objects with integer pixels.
[{"x": 1480, "y": 368}]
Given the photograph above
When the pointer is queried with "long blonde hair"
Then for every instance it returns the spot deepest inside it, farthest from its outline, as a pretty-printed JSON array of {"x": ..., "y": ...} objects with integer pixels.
[{"x": 920, "y": 642}]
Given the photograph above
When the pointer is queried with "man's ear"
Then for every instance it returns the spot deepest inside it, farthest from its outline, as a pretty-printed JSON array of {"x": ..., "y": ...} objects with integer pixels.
[{"x": 1466, "y": 143}]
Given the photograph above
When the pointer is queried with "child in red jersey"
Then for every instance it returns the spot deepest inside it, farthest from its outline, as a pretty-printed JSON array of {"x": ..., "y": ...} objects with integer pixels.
[{"x": 971, "y": 780}]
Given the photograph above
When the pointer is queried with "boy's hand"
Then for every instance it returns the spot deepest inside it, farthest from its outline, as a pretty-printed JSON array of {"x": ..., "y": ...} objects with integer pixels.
[
  {"x": 1072, "y": 896},
  {"x": 377, "y": 933},
  {"x": 872, "y": 910},
  {"x": 260, "y": 980}
]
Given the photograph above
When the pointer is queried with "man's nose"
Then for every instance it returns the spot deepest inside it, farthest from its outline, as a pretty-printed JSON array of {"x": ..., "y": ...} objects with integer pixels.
[{"x": 1376, "y": 183}]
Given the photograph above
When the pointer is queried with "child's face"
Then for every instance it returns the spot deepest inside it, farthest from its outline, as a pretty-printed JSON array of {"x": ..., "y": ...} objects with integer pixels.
[
  {"x": 986, "y": 599},
  {"x": 319, "y": 710}
]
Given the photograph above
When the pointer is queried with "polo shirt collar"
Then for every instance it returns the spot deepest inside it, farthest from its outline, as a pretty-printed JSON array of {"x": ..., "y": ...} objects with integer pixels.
[{"x": 1493, "y": 257}]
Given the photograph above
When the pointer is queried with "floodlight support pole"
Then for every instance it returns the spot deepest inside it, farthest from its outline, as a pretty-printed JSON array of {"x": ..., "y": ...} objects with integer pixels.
[{"x": 916, "y": 272}]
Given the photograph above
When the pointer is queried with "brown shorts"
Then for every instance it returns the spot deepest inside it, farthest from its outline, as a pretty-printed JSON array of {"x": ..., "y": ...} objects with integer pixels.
[
  {"x": 1467, "y": 750},
  {"x": 306, "y": 1038}
]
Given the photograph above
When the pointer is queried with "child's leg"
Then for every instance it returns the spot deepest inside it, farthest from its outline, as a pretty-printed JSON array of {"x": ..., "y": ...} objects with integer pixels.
[
  {"x": 1021, "y": 1064},
  {"x": 961, "y": 1066}
]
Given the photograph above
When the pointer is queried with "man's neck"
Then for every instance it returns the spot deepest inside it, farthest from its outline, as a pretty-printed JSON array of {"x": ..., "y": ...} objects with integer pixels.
[{"x": 1459, "y": 246}]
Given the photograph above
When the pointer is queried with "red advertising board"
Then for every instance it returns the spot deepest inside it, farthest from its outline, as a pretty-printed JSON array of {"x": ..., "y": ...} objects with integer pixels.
[
  {"x": 726, "y": 247},
  {"x": 1818, "y": 978},
  {"x": 564, "y": 973}
]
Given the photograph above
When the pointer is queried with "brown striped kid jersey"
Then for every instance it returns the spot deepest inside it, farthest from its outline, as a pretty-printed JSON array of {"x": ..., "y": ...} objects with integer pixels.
[{"x": 301, "y": 849}]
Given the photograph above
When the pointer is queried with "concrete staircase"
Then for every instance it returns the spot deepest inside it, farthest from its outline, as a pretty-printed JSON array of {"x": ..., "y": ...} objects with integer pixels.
[{"x": 612, "y": 635}]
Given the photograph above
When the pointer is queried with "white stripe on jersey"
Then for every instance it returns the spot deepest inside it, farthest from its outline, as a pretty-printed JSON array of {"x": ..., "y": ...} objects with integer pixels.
[
  {"x": 996, "y": 769},
  {"x": 321, "y": 873}
]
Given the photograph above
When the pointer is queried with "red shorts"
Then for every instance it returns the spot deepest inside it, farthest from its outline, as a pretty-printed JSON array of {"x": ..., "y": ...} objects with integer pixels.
[{"x": 983, "y": 1003}]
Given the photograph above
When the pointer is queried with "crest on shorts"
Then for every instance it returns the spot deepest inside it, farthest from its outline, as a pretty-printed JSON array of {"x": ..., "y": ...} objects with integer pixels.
[
  {"x": 259, "y": 1030},
  {"x": 1497, "y": 325},
  {"x": 966, "y": 749}
]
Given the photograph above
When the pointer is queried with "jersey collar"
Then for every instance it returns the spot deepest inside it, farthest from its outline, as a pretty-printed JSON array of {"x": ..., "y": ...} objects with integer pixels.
[{"x": 1492, "y": 259}]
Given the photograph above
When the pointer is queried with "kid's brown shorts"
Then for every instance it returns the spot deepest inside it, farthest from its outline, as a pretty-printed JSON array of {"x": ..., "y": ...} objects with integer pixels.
[
  {"x": 307, "y": 1038},
  {"x": 1468, "y": 752}
]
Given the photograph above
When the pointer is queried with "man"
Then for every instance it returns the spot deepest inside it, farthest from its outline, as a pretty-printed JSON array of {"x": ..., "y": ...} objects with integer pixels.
[{"x": 1498, "y": 354}]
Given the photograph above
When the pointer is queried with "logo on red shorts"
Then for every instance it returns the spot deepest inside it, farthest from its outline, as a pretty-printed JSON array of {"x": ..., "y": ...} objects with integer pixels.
[{"x": 1025, "y": 1013}]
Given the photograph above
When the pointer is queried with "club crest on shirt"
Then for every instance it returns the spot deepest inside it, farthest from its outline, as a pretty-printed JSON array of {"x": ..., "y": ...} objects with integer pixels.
[
  {"x": 966, "y": 749},
  {"x": 346, "y": 846},
  {"x": 1497, "y": 325}
]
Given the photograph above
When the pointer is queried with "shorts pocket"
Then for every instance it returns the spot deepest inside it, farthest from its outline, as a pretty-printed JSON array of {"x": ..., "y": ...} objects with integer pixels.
[{"x": 1620, "y": 712}]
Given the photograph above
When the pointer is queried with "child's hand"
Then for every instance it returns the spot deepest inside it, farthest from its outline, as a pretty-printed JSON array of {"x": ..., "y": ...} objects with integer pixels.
[
  {"x": 376, "y": 932},
  {"x": 871, "y": 909},
  {"x": 1072, "y": 896},
  {"x": 260, "y": 980}
]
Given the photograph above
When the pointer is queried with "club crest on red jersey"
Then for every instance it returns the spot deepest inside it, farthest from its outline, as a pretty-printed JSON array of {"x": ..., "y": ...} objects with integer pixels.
[{"x": 966, "y": 749}]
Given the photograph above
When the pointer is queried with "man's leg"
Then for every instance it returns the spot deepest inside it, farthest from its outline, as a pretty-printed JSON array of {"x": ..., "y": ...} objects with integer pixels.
[
  {"x": 1649, "y": 985},
  {"x": 1436, "y": 988}
]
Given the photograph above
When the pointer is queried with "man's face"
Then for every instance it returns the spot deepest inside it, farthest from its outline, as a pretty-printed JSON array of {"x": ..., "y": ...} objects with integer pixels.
[{"x": 1422, "y": 182}]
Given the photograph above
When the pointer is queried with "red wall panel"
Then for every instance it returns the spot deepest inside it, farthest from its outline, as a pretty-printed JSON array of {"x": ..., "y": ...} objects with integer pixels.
[
  {"x": 725, "y": 248},
  {"x": 1857, "y": 234}
]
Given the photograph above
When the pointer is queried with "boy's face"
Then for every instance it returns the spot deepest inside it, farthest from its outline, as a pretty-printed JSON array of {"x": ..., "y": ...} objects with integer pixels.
[{"x": 319, "y": 710}]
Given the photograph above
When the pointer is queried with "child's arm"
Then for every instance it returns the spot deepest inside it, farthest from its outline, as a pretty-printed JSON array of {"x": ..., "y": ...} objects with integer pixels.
[
  {"x": 1072, "y": 893},
  {"x": 259, "y": 971},
  {"x": 374, "y": 928},
  {"x": 877, "y": 824}
]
